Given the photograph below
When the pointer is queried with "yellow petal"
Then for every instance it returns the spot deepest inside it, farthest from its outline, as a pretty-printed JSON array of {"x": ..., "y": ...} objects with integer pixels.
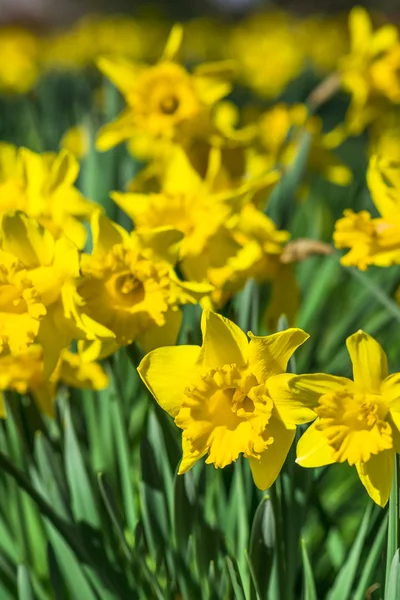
[
  {"x": 269, "y": 355},
  {"x": 188, "y": 458},
  {"x": 119, "y": 130},
  {"x": 105, "y": 233},
  {"x": 163, "y": 242},
  {"x": 360, "y": 29},
  {"x": 45, "y": 396},
  {"x": 26, "y": 239},
  {"x": 224, "y": 342},
  {"x": 174, "y": 42},
  {"x": 180, "y": 177},
  {"x": 313, "y": 449},
  {"x": 383, "y": 39},
  {"x": 309, "y": 388},
  {"x": 134, "y": 205},
  {"x": 267, "y": 468},
  {"x": 122, "y": 73},
  {"x": 64, "y": 170},
  {"x": 376, "y": 476},
  {"x": 292, "y": 408},
  {"x": 369, "y": 361},
  {"x": 166, "y": 335},
  {"x": 167, "y": 372},
  {"x": 390, "y": 390}
]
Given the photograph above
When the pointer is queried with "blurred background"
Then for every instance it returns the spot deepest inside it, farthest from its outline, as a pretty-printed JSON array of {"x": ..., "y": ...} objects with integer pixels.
[{"x": 63, "y": 12}]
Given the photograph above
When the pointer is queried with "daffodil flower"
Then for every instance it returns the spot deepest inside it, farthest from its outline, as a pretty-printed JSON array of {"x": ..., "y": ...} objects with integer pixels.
[
  {"x": 374, "y": 241},
  {"x": 230, "y": 396},
  {"x": 42, "y": 186},
  {"x": 358, "y": 421},
  {"x": 160, "y": 98}
]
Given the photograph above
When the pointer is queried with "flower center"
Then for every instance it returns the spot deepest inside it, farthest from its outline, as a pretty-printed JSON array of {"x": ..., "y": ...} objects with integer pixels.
[
  {"x": 224, "y": 414},
  {"x": 355, "y": 425},
  {"x": 127, "y": 288},
  {"x": 169, "y": 104}
]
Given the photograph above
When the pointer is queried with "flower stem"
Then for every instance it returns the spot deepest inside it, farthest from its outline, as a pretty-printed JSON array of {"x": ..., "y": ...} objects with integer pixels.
[
  {"x": 393, "y": 540},
  {"x": 279, "y": 542}
]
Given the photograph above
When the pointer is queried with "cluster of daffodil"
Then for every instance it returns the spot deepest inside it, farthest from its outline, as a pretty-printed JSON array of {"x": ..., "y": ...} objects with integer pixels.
[
  {"x": 75, "y": 286},
  {"x": 232, "y": 396},
  {"x": 294, "y": 43}
]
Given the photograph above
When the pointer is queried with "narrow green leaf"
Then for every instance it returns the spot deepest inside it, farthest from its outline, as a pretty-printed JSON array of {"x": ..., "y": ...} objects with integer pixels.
[
  {"x": 262, "y": 545},
  {"x": 83, "y": 501},
  {"x": 52, "y": 476},
  {"x": 393, "y": 587},
  {"x": 234, "y": 577},
  {"x": 394, "y": 515},
  {"x": 309, "y": 591},
  {"x": 123, "y": 460},
  {"x": 344, "y": 581},
  {"x": 366, "y": 579},
  {"x": 25, "y": 591},
  {"x": 112, "y": 509}
]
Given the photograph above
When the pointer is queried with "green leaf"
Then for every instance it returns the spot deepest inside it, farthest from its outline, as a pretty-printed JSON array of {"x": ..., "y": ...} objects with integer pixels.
[
  {"x": 83, "y": 502},
  {"x": 25, "y": 591},
  {"x": 262, "y": 546},
  {"x": 394, "y": 515},
  {"x": 309, "y": 591},
  {"x": 367, "y": 575},
  {"x": 344, "y": 581},
  {"x": 112, "y": 509},
  {"x": 234, "y": 578},
  {"x": 393, "y": 587}
]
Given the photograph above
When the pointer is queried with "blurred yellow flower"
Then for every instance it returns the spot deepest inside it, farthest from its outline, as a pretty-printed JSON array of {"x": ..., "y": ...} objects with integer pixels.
[
  {"x": 269, "y": 51},
  {"x": 130, "y": 288},
  {"x": 24, "y": 372},
  {"x": 229, "y": 396},
  {"x": 21, "y": 308},
  {"x": 38, "y": 273},
  {"x": 161, "y": 99},
  {"x": 226, "y": 239},
  {"x": 76, "y": 140},
  {"x": 374, "y": 241},
  {"x": 358, "y": 421},
  {"x": 19, "y": 54},
  {"x": 368, "y": 71},
  {"x": 42, "y": 186},
  {"x": 280, "y": 133},
  {"x": 325, "y": 40}
]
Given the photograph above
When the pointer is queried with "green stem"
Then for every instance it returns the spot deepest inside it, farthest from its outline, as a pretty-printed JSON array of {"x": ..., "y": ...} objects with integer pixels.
[
  {"x": 393, "y": 539},
  {"x": 279, "y": 542}
]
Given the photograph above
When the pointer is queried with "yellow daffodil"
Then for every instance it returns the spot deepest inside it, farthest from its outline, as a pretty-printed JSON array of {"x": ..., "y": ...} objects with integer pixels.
[
  {"x": 21, "y": 307},
  {"x": 280, "y": 133},
  {"x": 24, "y": 372},
  {"x": 130, "y": 288},
  {"x": 76, "y": 140},
  {"x": 93, "y": 36},
  {"x": 161, "y": 99},
  {"x": 37, "y": 289},
  {"x": 226, "y": 238},
  {"x": 42, "y": 185},
  {"x": 269, "y": 51},
  {"x": 19, "y": 54},
  {"x": 230, "y": 396},
  {"x": 325, "y": 41},
  {"x": 358, "y": 421},
  {"x": 374, "y": 241},
  {"x": 367, "y": 72}
]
